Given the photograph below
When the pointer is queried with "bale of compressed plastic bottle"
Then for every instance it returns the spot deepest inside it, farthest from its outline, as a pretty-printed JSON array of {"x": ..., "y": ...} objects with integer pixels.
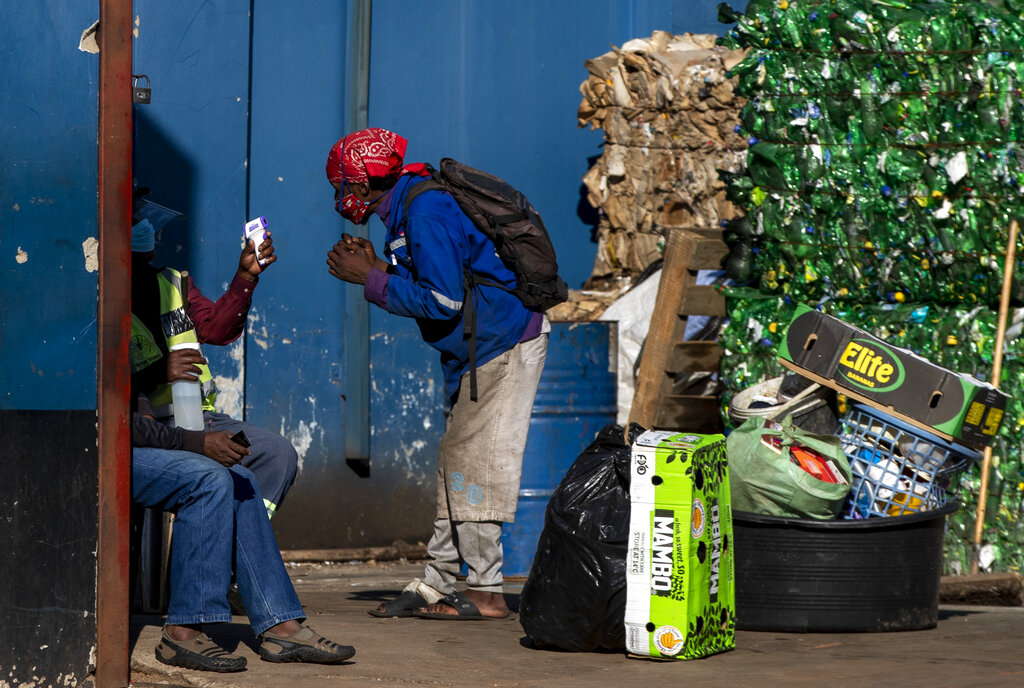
[{"x": 883, "y": 172}]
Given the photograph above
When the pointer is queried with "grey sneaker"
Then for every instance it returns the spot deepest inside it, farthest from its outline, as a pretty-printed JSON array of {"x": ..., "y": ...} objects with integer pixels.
[
  {"x": 199, "y": 653},
  {"x": 306, "y": 645}
]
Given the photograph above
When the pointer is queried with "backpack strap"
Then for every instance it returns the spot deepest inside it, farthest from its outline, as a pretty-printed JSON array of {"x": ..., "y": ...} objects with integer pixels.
[
  {"x": 495, "y": 220},
  {"x": 415, "y": 190},
  {"x": 469, "y": 327},
  {"x": 469, "y": 321}
]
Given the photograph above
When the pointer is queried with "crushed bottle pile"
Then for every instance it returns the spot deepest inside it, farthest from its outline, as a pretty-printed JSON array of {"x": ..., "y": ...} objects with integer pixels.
[{"x": 882, "y": 174}]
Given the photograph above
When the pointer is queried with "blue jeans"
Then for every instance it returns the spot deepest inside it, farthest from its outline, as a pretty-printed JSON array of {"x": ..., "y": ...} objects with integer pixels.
[
  {"x": 273, "y": 459},
  {"x": 220, "y": 522}
]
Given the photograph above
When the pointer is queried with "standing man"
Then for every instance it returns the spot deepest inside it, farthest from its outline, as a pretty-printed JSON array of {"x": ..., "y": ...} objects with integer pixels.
[
  {"x": 168, "y": 307},
  {"x": 430, "y": 248}
]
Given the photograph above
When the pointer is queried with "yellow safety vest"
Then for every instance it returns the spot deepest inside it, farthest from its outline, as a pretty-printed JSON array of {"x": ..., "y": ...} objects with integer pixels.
[{"x": 177, "y": 329}]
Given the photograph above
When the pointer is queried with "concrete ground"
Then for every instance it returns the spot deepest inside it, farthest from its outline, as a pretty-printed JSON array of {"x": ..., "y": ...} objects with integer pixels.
[{"x": 972, "y": 646}]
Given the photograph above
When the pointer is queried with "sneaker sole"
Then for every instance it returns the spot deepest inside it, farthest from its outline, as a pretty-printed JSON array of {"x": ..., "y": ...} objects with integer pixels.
[
  {"x": 309, "y": 655},
  {"x": 191, "y": 660},
  {"x": 197, "y": 665}
]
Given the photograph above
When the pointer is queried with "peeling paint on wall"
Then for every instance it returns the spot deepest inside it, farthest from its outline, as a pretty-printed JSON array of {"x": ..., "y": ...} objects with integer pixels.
[
  {"x": 231, "y": 388},
  {"x": 87, "y": 43},
  {"x": 21, "y": 256},
  {"x": 90, "y": 249},
  {"x": 302, "y": 437},
  {"x": 42, "y": 682},
  {"x": 259, "y": 335},
  {"x": 409, "y": 457},
  {"x": 37, "y": 681}
]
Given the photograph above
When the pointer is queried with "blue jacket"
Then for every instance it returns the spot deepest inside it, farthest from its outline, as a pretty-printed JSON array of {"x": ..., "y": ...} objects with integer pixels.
[{"x": 428, "y": 251}]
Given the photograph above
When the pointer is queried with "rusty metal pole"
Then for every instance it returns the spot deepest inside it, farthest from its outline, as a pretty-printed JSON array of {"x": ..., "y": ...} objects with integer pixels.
[{"x": 114, "y": 189}]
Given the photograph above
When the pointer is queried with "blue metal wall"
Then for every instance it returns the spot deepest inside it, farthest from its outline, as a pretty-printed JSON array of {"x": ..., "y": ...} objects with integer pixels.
[
  {"x": 248, "y": 95},
  {"x": 296, "y": 377},
  {"x": 48, "y": 221},
  {"x": 247, "y": 98},
  {"x": 495, "y": 85},
  {"x": 48, "y": 335},
  {"x": 191, "y": 144}
]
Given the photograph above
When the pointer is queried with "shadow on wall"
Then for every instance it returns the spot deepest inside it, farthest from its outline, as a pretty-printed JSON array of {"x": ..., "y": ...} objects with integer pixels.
[
  {"x": 159, "y": 164},
  {"x": 586, "y": 212}
]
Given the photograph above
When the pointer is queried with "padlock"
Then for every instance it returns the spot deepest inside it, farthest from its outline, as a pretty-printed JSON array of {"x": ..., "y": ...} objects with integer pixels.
[{"x": 140, "y": 94}]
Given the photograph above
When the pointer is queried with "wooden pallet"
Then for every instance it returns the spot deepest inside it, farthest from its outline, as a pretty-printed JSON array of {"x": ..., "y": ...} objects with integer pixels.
[{"x": 665, "y": 354}]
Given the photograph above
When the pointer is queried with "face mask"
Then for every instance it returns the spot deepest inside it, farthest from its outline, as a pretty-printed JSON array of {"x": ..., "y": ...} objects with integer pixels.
[{"x": 354, "y": 210}]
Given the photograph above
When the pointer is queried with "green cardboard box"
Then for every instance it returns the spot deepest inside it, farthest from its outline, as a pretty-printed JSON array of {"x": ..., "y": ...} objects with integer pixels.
[
  {"x": 953, "y": 405},
  {"x": 680, "y": 569}
]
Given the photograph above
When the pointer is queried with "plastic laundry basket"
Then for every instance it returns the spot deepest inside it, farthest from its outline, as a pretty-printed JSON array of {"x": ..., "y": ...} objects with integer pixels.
[{"x": 897, "y": 468}]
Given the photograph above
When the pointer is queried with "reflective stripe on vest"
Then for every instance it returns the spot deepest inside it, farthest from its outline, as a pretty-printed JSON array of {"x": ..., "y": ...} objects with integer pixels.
[{"x": 178, "y": 329}]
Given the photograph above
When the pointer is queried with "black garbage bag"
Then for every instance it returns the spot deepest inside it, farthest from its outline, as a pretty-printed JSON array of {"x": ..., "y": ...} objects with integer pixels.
[{"x": 575, "y": 595}]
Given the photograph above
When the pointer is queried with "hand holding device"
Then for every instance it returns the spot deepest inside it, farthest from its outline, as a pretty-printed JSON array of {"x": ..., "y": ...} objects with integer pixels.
[{"x": 256, "y": 230}]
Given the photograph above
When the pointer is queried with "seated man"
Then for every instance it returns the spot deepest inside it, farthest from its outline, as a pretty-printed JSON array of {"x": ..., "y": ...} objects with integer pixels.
[
  {"x": 221, "y": 513},
  {"x": 167, "y": 302},
  {"x": 220, "y": 519}
]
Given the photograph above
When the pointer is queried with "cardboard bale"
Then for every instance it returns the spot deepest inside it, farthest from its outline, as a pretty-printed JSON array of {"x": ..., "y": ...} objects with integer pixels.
[
  {"x": 848, "y": 359},
  {"x": 669, "y": 114},
  {"x": 680, "y": 575},
  {"x": 583, "y": 305}
]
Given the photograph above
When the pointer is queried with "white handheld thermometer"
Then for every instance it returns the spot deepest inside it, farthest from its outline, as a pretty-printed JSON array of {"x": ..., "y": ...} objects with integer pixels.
[{"x": 257, "y": 231}]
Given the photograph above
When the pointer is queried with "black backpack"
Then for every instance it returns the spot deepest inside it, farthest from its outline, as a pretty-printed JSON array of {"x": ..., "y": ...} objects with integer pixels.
[{"x": 505, "y": 216}]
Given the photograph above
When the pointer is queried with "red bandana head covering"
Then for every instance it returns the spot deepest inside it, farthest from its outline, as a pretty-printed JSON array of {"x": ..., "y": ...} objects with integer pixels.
[{"x": 363, "y": 154}]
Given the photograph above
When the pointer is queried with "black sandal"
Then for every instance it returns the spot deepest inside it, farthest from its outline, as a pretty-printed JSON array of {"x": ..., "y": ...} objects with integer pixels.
[
  {"x": 403, "y": 606},
  {"x": 464, "y": 608}
]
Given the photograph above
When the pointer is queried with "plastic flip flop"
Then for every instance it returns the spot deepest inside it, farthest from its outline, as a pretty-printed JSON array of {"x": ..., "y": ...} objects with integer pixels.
[{"x": 403, "y": 606}]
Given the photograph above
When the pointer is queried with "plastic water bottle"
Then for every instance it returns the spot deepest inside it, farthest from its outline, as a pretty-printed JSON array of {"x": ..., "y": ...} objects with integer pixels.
[{"x": 187, "y": 398}]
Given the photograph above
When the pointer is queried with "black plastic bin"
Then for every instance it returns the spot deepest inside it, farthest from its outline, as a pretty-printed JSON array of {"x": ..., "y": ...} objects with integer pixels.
[{"x": 804, "y": 575}]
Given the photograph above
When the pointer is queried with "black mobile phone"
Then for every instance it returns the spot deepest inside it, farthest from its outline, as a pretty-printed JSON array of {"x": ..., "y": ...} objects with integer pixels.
[{"x": 241, "y": 438}]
